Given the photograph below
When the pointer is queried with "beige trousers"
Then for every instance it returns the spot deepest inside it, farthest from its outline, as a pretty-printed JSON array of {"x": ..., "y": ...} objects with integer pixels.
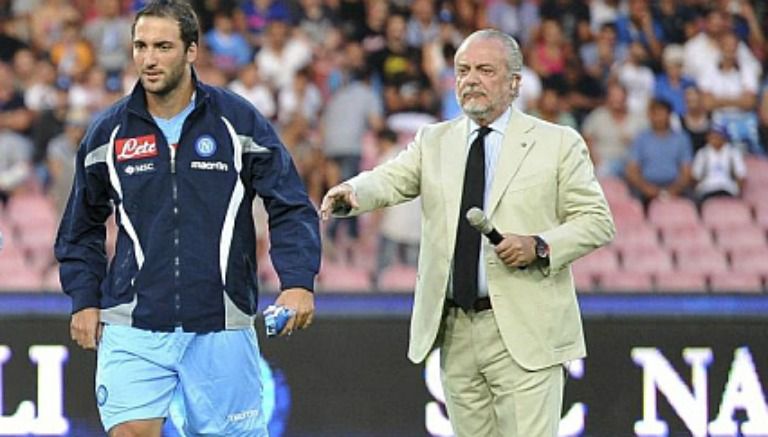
[{"x": 487, "y": 393}]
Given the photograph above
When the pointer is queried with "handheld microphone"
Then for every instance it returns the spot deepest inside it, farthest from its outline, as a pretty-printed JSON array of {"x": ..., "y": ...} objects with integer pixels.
[{"x": 479, "y": 221}]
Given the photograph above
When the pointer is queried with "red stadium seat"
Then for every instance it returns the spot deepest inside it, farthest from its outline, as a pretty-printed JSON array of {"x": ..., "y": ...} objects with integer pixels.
[
  {"x": 757, "y": 169},
  {"x": 584, "y": 280},
  {"x": 29, "y": 210},
  {"x": 678, "y": 281},
  {"x": 736, "y": 282},
  {"x": 615, "y": 189},
  {"x": 397, "y": 277},
  {"x": 623, "y": 281},
  {"x": 673, "y": 212},
  {"x": 726, "y": 213},
  {"x": 690, "y": 236},
  {"x": 701, "y": 260}
]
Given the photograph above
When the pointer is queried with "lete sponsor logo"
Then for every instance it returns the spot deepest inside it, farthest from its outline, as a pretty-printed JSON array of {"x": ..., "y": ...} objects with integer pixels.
[{"x": 136, "y": 148}]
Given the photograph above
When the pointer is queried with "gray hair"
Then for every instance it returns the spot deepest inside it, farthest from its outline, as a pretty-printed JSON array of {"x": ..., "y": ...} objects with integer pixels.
[{"x": 514, "y": 56}]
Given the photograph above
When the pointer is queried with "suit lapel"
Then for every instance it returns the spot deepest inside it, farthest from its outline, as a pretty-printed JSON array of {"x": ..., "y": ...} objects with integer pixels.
[
  {"x": 518, "y": 142},
  {"x": 453, "y": 153}
]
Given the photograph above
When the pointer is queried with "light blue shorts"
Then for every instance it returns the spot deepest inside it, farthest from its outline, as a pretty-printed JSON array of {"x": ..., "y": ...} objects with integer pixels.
[{"x": 212, "y": 379}]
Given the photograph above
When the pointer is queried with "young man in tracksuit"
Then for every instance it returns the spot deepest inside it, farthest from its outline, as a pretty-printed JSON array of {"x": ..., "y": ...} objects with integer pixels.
[{"x": 180, "y": 162}]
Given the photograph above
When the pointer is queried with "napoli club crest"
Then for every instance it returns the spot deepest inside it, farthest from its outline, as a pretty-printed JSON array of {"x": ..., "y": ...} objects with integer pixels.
[{"x": 205, "y": 146}]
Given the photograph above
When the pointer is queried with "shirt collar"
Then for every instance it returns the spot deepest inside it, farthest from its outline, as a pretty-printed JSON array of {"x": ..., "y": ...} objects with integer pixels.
[{"x": 499, "y": 125}]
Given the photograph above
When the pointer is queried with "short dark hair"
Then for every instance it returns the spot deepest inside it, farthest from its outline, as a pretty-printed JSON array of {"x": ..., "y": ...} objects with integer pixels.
[
  {"x": 179, "y": 10},
  {"x": 660, "y": 103}
]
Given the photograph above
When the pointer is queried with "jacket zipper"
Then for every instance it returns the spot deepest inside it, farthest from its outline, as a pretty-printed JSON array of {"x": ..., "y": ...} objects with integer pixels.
[{"x": 176, "y": 262}]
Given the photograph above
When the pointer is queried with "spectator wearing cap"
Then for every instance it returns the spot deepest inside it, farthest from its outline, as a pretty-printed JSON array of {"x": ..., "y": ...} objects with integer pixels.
[
  {"x": 672, "y": 83},
  {"x": 660, "y": 158},
  {"x": 718, "y": 168}
]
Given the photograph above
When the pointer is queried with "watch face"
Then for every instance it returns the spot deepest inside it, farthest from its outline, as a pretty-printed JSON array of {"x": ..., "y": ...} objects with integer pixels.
[{"x": 542, "y": 251}]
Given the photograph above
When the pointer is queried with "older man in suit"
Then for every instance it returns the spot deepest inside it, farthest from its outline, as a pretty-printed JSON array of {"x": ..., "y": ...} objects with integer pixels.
[{"x": 505, "y": 318}]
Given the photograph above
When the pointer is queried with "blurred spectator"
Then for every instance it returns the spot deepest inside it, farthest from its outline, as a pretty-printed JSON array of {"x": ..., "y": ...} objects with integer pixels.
[
  {"x": 41, "y": 94},
  {"x": 206, "y": 11},
  {"x": 15, "y": 163},
  {"x": 573, "y": 16},
  {"x": 742, "y": 20},
  {"x": 47, "y": 22},
  {"x": 584, "y": 93},
  {"x": 659, "y": 162},
  {"x": 301, "y": 99},
  {"x": 372, "y": 32},
  {"x": 550, "y": 51},
  {"x": 638, "y": 25},
  {"x": 696, "y": 121},
  {"x": 9, "y": 44},
  {"x": 89, "y": 91},
  {"x": 514, "y": 17},
  {"x": 61, "y": 156},
  {"x": 671, "y": 84},
  {"x": 282, "y": 55},
  {"x": 71, "y": 53},
  {"x": 23, "y": 65},
  {"x": 762, "y": 113},
  {"x": 256, "y": 14},
  {"x": 530, "y": 89},
  {"x": 718, "y": 168},
  {"x": 399, "y": 226},
  {"x": 730, "y": 93},
  {"x": 352, "y": 110},
  {"x": 609, "y": 131},
  {"x": 108, "y": 35},
  {"x": 14, "y": 114},
  {"x": 422, "y": 27},
  {"x": 702, "y": 52},
  {"x": 399, "y": 68},
  {"x": 49, "y": 123},
  {"x": 602, "y": 12},
  {"x": 600, "y": 55},
  {"x": 468, "y": 16},
  {"x": 676, "y": 20},
  {"x": 550, "y": 108},
  {"x": 636, "y": 77},
  {"x": 228, "y": 48},
  {"x": 250, "y": 86},
  {"x": 316, "y": 20}
]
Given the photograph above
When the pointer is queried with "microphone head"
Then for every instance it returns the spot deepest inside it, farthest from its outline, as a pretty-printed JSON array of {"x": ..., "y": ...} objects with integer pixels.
[{"x": 476, "y": 217}]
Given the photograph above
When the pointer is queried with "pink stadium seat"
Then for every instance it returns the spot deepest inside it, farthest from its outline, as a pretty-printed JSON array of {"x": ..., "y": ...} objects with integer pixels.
[
  {"x": 748, "y": 236},
  {"x": 23, "y": 279},
  {"x": 598, "y": 262},
  {"x": 615, "y": 189},
  {"x": 701, "y": 260},
  {"x": 647, "y": 260},
  {"x": 736, "y": 282},
  {"x": 30, "y": 210},
  {"x": 761, "y": 215},
  {"x": 627, "y": 213},
  {"x": 50, "y": 280},
  {"x": 397, "y": 277},
  {"x": 341, "y": 277},
  {"x": 754, "y": 260},
  {"x": 726, "y": 213},
  {"x": 757, "y": 169},
  {"x": 584, "y": 281},
  {"x": 673, "y": 212},
  {"x": 690, "y": 236},
  {"x": 640, "y": 235},
  {"x": 623, "y": 281},
  {"x": 678, "y": 281},
  {"x": 754, "y": 193}
]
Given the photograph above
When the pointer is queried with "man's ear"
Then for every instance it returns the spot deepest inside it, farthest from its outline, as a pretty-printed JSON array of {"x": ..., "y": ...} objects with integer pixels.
[{"x": 192, "y": 52}]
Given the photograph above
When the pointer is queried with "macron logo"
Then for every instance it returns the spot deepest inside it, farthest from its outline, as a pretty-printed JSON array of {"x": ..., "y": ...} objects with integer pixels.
[{"x": 136, "y": 148}]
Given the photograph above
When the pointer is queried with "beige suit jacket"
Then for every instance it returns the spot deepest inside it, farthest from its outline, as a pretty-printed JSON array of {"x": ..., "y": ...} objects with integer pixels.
[{"x": 544, "y": 185}]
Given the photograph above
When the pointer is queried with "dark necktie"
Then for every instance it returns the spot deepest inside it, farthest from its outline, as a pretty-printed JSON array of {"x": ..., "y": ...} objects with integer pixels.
[{"x": 467, "y": 251}]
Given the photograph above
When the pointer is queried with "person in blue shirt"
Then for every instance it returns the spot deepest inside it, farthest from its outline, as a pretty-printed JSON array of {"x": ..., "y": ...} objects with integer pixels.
[
  {"x": 660, "y": 158},
  {"x": 172, "y": 314}
]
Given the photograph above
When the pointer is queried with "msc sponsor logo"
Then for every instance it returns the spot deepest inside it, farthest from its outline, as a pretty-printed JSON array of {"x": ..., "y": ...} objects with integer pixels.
[
  {"x": 131, "y": 170},
  {"x": 209, "y": 165},
  {"x": 136, "y": 148}
]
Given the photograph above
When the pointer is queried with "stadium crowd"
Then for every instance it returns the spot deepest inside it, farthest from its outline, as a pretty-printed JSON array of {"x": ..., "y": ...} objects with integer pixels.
[{"x": 670, "y": 96}]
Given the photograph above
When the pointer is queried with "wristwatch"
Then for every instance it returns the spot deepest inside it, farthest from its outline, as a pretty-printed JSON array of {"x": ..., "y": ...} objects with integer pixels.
[{"x": 542, "y": 250}]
